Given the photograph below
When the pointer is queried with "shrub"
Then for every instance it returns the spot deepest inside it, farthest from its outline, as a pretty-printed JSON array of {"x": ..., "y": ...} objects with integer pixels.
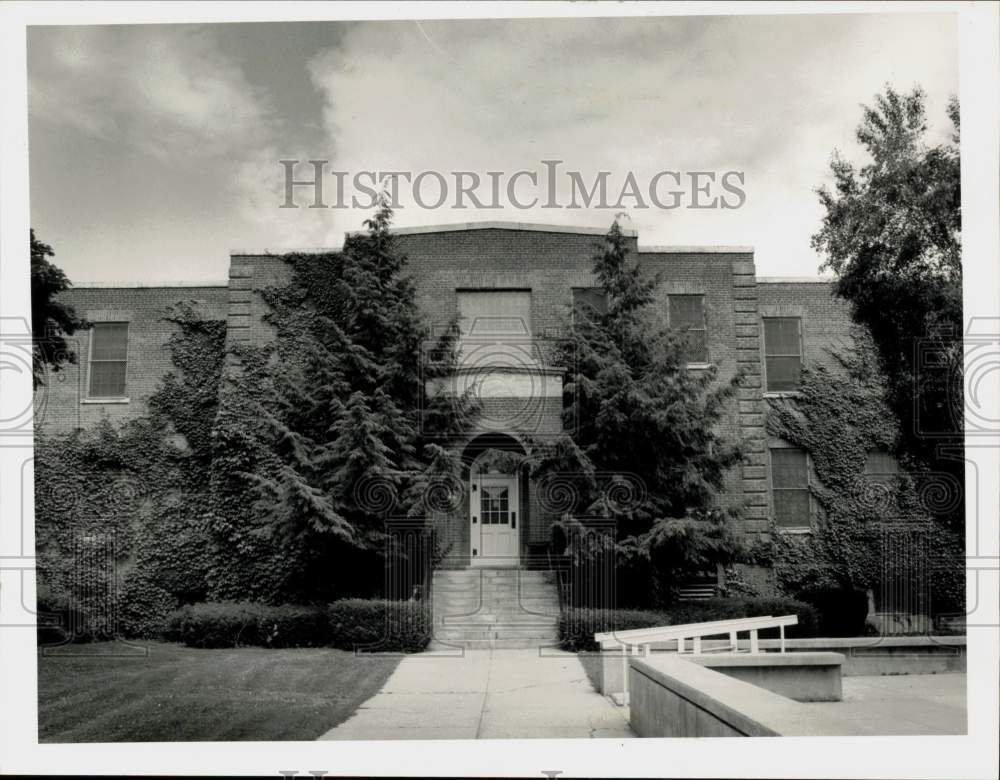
[
  {"x": 349, "y": 624},
  {"x": 372, "y": 624},
  {"x": 731, "y": 608},
  {"x": 239, "y": 624},
  {"x": 578, "y": 626},
  {"x": 842, "y": 611}
]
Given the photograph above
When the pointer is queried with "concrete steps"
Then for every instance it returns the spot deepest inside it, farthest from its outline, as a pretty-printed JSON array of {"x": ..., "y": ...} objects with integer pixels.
[{"x": 482, "y": 608}]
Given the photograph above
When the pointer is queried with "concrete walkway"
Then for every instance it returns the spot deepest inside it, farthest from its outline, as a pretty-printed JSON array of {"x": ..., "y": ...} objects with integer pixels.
[
  {"x": 486, "y": 694},
  {"x": 902, "y": 705}
]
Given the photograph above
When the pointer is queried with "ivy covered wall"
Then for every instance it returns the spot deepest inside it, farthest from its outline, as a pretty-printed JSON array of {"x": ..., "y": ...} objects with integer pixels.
[
  {"x": 120, "y": 509},
  {"x": 888, "y": 533}
]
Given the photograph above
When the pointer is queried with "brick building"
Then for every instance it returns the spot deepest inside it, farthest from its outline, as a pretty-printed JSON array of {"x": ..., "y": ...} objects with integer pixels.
[{"x": 515, "y": 287}]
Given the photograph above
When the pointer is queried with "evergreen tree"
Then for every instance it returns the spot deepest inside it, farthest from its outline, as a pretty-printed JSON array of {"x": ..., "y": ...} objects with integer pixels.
[
  {"x": 643, "y": 448},
  {"x": 336, "y": 429}
]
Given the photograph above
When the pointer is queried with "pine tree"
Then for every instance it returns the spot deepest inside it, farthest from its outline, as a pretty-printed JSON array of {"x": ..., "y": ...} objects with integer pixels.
[
  {"x": 643, "y": 448},
  {"x": 337, "y": 422}
]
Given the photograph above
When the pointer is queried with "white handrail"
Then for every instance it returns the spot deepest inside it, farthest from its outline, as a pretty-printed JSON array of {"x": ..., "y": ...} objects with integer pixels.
[
  {"x": 644, "y": 637},
  {"x": 710, "y": 628}
]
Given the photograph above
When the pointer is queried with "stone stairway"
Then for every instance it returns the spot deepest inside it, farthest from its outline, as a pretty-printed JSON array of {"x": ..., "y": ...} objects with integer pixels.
[{"x": 479, "y": 608}]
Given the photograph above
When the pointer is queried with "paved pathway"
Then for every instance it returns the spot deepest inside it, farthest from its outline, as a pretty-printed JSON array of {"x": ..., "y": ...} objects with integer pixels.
[
  {"x": 486, "y": 694},
  {"x": 903, "y": 704}
]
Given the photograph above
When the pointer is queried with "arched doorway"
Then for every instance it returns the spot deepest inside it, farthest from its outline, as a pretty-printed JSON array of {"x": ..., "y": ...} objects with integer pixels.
[{"x": 497, "y": 499}]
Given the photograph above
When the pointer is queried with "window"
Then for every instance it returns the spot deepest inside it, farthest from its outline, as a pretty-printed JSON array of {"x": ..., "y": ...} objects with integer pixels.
[
  {"x": 687, "y": 314},
  {"x": 108, "y": 349},
  {"x": 589, "y": 301},
  {"x": 495, "y": 327},
  {"x": 782, "y": 353},
  {"x": 790, "y": 487},
  {"x": 493, "y": 505},
  {"x": 881, "y": 467}
]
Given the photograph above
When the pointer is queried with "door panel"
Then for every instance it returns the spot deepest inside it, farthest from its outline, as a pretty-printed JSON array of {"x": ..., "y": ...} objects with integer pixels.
[{"x": 496, "y": 513}]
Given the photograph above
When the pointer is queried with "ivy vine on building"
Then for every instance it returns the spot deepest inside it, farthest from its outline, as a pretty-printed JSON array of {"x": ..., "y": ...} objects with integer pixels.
[{"x": 842, "y": 416}]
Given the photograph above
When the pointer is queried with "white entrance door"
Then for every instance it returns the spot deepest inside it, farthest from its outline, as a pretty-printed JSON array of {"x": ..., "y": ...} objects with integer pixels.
[{"x": 494, "y": 517}]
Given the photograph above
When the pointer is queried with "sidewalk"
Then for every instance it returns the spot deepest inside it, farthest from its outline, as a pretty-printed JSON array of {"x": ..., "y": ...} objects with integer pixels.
[
  {"x": 486, "y": 694},
  {"x": 902, "y": 705}
]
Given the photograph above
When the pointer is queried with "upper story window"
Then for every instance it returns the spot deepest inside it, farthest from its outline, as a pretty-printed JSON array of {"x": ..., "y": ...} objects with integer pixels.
[
  {"x": 881, "y": 466},
  {"x": 495, "y": 327},
  {"x": 588, "y": 301},
  {"x": 790, "y": 487},
  {"x": 782, "y": 353},
  {"x": 108, "y": 358},
  {"x": 687, "y": 314}
]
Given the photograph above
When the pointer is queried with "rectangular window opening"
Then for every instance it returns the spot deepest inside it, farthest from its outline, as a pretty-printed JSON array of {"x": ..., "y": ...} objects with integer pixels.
[
  {"x": 108, "y": 359},
  {"x": 687, "y": 314},
  {"x": 495, "y": 328},
  {"x": 790, "y": 487},
  {"x": 783, "y": 353},
  {"x": 589, "y": 302}
]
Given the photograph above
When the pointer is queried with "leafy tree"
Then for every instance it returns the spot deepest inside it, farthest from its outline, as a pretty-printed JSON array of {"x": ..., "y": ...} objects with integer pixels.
[
  {"x": 51, "y": 320},
  {"x": 331, "y": 427},
  {"x": 643, "y": 448},
  {"x": 892, "y": 236}
]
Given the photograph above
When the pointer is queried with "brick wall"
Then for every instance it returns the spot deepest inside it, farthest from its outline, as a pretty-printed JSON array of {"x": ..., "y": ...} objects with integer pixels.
[
  {"x": 65, "y": 405},
  {"x": 825, "y": 328},
  {"x": 826, "y": 319},
  {"x": 550, "y": 264}
]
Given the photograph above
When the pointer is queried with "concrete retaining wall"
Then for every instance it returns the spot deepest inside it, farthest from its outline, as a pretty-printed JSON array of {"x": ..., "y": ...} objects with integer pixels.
[
  {"x": 799, "y": 676},
  {"x": 672, "y": 697}
]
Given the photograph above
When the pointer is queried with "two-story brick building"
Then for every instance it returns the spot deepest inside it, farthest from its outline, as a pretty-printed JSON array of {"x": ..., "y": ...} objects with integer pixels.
[{"x": 514, "y": 287}]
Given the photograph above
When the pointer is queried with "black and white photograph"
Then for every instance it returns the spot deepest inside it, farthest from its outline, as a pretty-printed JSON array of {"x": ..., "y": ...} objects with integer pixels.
[{"x": 477, "y": 389}]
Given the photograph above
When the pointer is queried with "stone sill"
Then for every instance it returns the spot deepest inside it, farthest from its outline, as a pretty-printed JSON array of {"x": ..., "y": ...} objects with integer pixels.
[{"x": 106, "y": 401}]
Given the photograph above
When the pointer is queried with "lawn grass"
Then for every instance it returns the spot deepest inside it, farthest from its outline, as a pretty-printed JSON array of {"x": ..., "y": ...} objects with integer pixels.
[{"x": 179, "y": 693}]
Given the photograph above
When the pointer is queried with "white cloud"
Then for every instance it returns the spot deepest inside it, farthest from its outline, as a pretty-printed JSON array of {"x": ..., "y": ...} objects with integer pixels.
[
  {"x": 771, "y": 96},
  {"x": 160, "y": 88}
]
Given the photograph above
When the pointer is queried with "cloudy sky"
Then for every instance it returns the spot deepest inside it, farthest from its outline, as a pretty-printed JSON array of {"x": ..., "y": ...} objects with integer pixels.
[{"x": 154, "y": 149}]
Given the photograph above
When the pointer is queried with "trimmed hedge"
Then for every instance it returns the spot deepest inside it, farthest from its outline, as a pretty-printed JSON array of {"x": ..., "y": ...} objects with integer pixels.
[
  {"x": 350, "y": 624},
  {"x": 240, "y": 624},
  {"x": 391, "y": 626},
  {"x": 577, "y": 626},
  {"x": 842, "y": 611}
]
